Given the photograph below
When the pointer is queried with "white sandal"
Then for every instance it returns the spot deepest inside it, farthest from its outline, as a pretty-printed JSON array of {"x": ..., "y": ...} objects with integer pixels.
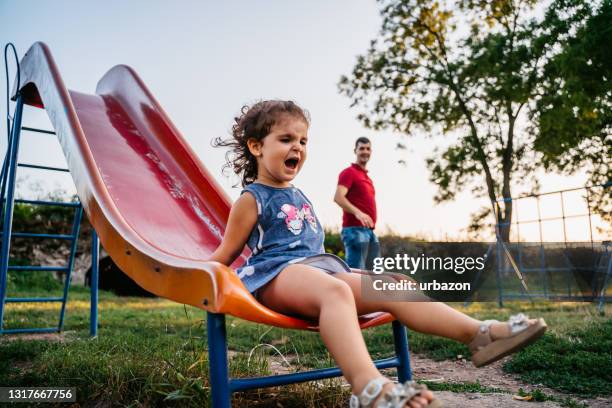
[
  {"x": 485, "y": 350},
  {"x": 397, "y": 397}
]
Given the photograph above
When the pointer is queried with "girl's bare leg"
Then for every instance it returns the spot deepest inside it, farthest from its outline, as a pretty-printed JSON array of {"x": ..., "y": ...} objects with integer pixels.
[
  {"x": 435, "y": 318},
  {"x": 311, "y": 293}
]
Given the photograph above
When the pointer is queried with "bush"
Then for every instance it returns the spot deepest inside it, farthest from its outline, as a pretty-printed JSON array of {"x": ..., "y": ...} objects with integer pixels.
[
  {"x": 333, "y": 243},
  {"x": 43, "y": 219}
]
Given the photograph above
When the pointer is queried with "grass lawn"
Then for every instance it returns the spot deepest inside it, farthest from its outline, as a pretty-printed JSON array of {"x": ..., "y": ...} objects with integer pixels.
[{"x": 152, "y": 352}]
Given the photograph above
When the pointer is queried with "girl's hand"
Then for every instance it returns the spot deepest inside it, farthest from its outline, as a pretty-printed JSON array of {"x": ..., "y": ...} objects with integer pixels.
[{"x": 241, "y": 221}]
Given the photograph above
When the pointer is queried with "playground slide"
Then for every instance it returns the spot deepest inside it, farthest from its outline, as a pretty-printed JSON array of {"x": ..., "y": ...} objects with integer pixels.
[{"x": 157, "y": 210}]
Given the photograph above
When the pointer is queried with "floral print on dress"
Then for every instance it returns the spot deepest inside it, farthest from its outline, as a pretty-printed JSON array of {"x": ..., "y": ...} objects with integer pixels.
[
  {"x": 309, "y": 217},
  {"x": 294, "y": 218}
]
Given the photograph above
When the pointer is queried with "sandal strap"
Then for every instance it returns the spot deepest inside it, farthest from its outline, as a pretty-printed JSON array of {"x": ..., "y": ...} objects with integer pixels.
[
  {"x": 482, "y": 337},
  {"x": 400, "y": 395},
  {"x": 518, "y": 323},
  {"x": 368, "y": 394}
]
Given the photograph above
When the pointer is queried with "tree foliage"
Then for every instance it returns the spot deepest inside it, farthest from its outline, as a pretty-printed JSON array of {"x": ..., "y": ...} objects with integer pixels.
[
  {"x": 573, "y": 113},
  {"x": 471, "y": 71}
]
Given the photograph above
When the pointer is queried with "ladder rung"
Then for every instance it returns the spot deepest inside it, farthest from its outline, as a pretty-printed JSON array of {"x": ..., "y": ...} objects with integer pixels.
[
  {"x": 38, "y": 268},
  {"x": 40, "y": 330},
  {"x": 56, "y": 203},
  {"x": 33, "y": 235},
  {"x": 33, "y": 300},
  {"x": 36, "y": 166},
  {"x": 49, "y": 132}
]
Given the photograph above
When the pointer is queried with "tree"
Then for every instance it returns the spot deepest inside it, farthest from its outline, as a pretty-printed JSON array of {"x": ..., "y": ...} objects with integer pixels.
[
  {"x": 573, "y": 114},
  {"x": 468, "y": 70}
]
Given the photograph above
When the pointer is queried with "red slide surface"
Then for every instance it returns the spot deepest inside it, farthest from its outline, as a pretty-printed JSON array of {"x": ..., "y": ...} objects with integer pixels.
[{"x": 158, "y": 211}]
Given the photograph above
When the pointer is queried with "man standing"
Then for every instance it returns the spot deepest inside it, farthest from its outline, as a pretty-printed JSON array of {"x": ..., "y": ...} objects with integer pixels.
[{"x": 355, "y": 195}]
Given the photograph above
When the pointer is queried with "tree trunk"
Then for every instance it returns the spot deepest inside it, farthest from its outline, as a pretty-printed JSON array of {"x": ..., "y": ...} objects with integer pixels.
[{"x": 504, "y": 220}]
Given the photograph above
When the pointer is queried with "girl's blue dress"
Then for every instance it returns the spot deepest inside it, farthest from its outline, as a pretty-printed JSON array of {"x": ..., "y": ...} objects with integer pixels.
[{"x": 287, "y": 232}]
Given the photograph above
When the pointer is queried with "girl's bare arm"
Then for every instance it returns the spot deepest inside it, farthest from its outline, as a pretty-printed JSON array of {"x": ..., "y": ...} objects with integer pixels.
[{"x": 242, "y": 220}]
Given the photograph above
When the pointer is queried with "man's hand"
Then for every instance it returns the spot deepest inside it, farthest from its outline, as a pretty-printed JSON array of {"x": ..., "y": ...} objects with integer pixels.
[
  {"x": 345, "y": 204},
  {"x": 364, "y": 219}
]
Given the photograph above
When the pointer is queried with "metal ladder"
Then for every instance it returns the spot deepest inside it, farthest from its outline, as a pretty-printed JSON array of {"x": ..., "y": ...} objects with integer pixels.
[{"x": 8, "y": 177}]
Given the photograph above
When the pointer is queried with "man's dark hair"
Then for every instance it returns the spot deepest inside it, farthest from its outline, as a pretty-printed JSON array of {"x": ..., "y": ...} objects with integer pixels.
[{"x": 363, "y": 140}]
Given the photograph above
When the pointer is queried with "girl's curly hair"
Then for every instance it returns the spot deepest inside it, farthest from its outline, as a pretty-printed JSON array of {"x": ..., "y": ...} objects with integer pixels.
[{"x": 254, "y": 122}]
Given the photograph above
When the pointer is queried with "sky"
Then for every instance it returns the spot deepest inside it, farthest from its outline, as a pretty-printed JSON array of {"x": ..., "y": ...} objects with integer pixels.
[{"x": 203, "y": 60}]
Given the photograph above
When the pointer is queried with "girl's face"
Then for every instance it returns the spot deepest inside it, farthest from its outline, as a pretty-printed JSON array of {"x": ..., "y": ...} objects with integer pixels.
[{"x": 282, "y": 153}]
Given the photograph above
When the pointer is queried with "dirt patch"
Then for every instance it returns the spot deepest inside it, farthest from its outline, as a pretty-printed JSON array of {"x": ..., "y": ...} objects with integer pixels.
[
  {"x": 22, "y": 366},
  {"x": 472, "y": 400},
  {"x": 54, "y": 337},
  {"x": 462, "y": 371},
  {"x": 493, "y": 376}
]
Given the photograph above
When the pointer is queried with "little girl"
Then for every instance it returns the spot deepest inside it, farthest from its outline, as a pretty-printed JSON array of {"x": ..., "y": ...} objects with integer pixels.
[{"x": 290, "y": 273}]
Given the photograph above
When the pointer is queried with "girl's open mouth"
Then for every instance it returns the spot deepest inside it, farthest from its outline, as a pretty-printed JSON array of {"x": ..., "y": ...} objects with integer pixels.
[{"x": 292, "y": 163}]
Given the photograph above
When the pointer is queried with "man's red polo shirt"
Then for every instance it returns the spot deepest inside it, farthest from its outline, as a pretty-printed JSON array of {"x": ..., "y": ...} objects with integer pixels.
[{"x": 360, "y": 194}]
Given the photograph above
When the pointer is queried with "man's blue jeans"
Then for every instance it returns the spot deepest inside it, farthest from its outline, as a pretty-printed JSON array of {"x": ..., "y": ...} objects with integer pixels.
[{"x": 361, "y": 246}]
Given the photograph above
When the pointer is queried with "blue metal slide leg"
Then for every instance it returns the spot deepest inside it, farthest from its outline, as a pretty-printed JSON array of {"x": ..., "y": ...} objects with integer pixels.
[
  {"x": 401, "y": 350},
  {"x": 8, "y": 213},
  {"x": 217, "y": 360},
  {"x": 93, "y": 311},
  {"x": 76, "y": 224}
]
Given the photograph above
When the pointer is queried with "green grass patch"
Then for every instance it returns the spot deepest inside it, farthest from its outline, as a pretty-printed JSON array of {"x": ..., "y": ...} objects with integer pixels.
[
  {"x": 150, "y": 352},
  {"x": 461, "y": 387},
  {"x": 153, "y": 352},
  {"x": 437, "y": 348},
  {"x": 578, "y": 363}
]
